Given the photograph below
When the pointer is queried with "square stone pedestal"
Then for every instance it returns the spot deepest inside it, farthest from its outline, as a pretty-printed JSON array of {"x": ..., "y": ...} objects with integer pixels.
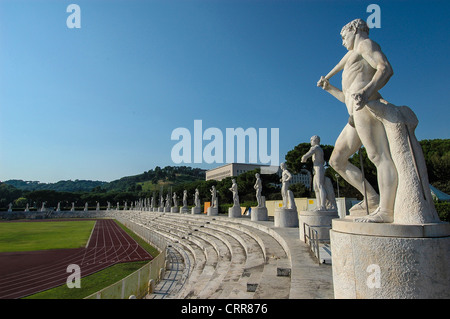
[
  {"x": 212, "y": 211},
  {"x": 259, "y": 214},
  {"x": 234, "y": 212},
  {"x": 285, "y": 217}
]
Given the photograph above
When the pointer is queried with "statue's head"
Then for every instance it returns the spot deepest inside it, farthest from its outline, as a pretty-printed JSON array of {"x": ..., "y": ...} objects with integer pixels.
[
  {"x": 282, "y": 165},
  {"x": 350, "y": 30},
  {"x": 315, "y": 140},
  {"x": 355, "y": 25},
  {"x": 257, "y": 175}
]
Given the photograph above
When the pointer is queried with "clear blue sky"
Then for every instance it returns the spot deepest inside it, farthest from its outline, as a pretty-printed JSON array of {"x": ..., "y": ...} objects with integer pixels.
[{"x": 101, "y": 102}]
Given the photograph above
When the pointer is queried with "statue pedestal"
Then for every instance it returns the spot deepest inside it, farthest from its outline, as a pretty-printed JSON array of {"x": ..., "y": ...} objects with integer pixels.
[
  {"x": 161, "y": 209},
  {"x": 174, "y": 209},
  {"x": 285, "y": 217},
  {"x": 185, "y": 210},
  {"x": 212, "y": 211},
  {"x": 390, "y": 261},
  {"x": 166, "y": 209},
  {"x": 317, "y": 218},
  {"x": 196, "y": 210},
  {"x": 259, "y": 214},
  {"x": 234, "y": 212}
]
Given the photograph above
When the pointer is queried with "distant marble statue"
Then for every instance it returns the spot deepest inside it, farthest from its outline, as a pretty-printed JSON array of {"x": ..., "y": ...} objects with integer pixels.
[
  {"x": 125, "y": 205},
  {"x": 214, "y": 197},
  {"x": 259, "y": 213},
  {"x": 9, "y": 207},
  {"x": 117, "y": 206},
  {"x": 108, "y": 207},
  {"x": 86, "y": 207},
  {"x": 185, "y": 197},
  {"x": 72, "y": 209},
  {"x": 58, "y": 207},
  {"x": 235, "y": 210},
  {"x": 258, "y": 188},
  {"x": 98, "y": 206},
  {"x": 197, "y": 209},
  {"x": 175, "y": 199},
  {"x": 286, "y": 176},
  {"x": 385, "y": 130},
  {"x": 152, "y": 203},
  {"x": 286, "y": 215},
  {"x": 27, "y": 209},
  {"x": 43, "y": 209},
  {"x": 324, "y": 196},
  {"x": 161, "y": 201},
  {"x": 213, "y": 210},
  {"x": 234, "y": 190},
  {"x": 167, "y": 200},
  {"x": 185, "y": 208}
]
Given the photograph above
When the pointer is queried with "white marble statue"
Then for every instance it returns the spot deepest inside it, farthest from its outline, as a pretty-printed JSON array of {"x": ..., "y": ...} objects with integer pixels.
[
  {"x": 72, "y": 209},
  {"x": 43, "y": 209},
  {"x": 234, "y": 190},
  {"x": 175, "y": 199},
  {"x": 385, "y": 130},
  {"x": 58, "y": 207},
  {"x": 161, "y": 201},
  {"x": 258, "y": 188},
  {"x": 286, "y": 176},
  {"x": 9, "y": 207},
  {"x": 167, "y": 201},
  {"x": 27, "y": 209},
  {"x": 325, "y": 196},
  {"x": 197, "y": 198},
  {"x": 214, "y": 203},
  {"x": 185, "y": 197}
]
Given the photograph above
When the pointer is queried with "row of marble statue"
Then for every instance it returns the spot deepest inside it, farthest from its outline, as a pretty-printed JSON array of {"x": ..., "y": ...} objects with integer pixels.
[{"x": 322, "y": 187}]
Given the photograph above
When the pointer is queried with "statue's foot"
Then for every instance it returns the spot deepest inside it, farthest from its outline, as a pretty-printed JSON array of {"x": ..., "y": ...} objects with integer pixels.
[
  {"x": 360, "y": 208},
  {"x": 378, "y": 216}
]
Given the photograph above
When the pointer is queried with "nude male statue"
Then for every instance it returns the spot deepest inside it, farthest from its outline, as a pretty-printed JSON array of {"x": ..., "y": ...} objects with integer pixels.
[
  {"x": 213, "y": 196},
  {"x": 185, "y": 196},
  {"x": 365, "y": 71},
  {"x": 286, "y": 176},
  {"x": 316, "y": 153},
  {"x": 234, "y": 189},
  {"x": 258, "y": 188}
]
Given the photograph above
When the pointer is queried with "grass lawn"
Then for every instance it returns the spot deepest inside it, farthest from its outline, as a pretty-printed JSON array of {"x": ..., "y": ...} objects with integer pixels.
[
  {"x": 92, "y": 283},
  {"x": 29, "y": 236}
]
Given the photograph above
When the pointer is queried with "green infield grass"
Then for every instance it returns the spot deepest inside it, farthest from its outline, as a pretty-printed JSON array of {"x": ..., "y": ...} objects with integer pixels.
[
  {"x": 30, "y": 236},
  {"x": 92, "y": 283}
]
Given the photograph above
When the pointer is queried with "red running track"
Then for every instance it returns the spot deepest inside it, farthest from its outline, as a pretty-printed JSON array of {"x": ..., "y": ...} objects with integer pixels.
[{"x": 26, "y": 273}]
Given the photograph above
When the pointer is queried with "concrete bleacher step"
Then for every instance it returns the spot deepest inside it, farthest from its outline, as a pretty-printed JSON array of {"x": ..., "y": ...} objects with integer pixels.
[
  {"x": 219, "y": 240},
  {"x": 260, "y": 280},
  {"x": 233, "y": 272}
]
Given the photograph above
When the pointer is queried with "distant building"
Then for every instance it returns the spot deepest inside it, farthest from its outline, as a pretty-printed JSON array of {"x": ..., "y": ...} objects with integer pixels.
[{"x": 232, "y": 169}]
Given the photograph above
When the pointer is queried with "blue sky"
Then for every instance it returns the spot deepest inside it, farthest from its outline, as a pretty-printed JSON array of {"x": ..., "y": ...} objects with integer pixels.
[{"x": 101, "y": 102}]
